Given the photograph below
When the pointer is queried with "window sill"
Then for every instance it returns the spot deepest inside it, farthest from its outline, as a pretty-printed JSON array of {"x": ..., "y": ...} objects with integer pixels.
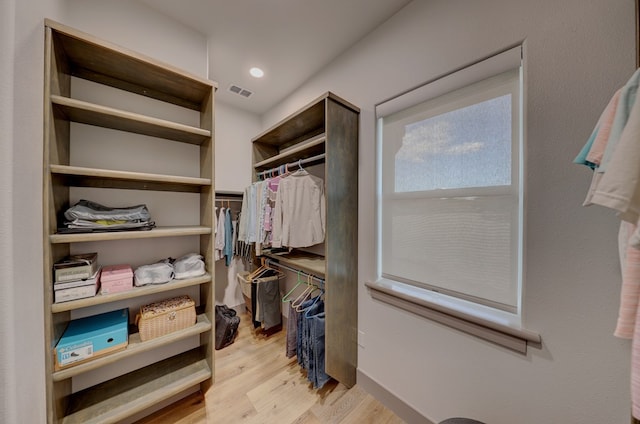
[{"x": 489, "y": 324}]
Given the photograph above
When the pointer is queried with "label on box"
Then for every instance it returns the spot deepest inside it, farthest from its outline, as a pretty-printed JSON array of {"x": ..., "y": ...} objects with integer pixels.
[
  {"x": 74, "y": 293},
  {"x": 75, "y": 267},
  {"x": 70, "y": 354}
]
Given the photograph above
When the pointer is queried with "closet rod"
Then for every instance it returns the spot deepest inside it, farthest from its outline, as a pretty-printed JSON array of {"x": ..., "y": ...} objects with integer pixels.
[
  {"x": 228, "y": 199},
  {"x": 283, "y": 266},
  {"x": 299, "y": 162}
]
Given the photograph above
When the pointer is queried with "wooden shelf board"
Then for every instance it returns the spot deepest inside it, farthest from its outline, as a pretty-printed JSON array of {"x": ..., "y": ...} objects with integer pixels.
[
  {"x": 304, "y": 261},
  {"x": 134, "y": 292},
  {"x": 77, "y": 176},
  {"x": 122, "y": 397},
  {"x": 302, "y": 150},
  {"x": 108, "y": 63},
  {"x": 177, "y": 231},
  {"x": 107, "y": 117},
  {"x": 135, "y": 347},
  {"x": 310, "y": 119}
]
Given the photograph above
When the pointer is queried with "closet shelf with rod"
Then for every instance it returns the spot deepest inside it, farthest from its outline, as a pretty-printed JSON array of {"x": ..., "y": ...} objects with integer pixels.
[
  {"x": 292, "y": 165},
  {"x": 271, "y": 262},
  {"x": 302, "y": 150},
  {"x": 310, "y": 263},
  {"x": 228, "y": 199},
  {"x": 325, "y": 131}
]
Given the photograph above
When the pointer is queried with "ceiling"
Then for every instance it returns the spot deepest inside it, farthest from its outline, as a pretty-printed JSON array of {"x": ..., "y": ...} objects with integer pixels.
[{"x": 289, "y": 39}]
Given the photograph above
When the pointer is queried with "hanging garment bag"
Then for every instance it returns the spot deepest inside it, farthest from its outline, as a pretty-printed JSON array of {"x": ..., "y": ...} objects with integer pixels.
[{"x": 226, "y": 326}]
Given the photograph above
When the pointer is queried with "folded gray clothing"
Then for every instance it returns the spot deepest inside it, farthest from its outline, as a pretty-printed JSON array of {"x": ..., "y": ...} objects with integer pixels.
[
  {"x": 92, "y": 211},
  {"x": 115, "y": 225}
]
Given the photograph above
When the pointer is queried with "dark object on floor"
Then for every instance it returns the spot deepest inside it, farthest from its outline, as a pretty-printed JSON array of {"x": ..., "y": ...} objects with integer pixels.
[
  {"x": 226, "y": 326},
  {"x": 460, "y": 421}
]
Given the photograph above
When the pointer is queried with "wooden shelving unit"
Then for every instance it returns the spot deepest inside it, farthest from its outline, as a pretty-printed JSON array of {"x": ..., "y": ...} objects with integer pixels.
[
  {"x": 328, "y": 125},
  {"x": 71, "y": 53}
]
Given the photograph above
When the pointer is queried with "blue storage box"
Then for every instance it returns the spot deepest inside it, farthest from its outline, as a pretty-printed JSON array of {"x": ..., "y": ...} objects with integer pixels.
[{"x": 89, "y": 337}]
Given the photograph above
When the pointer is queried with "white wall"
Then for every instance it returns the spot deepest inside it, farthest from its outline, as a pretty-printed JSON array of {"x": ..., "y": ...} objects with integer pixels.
[
  {"x": 577, "y": 54},
  {"x": 234, "y": 130},
  {"x": 140, "y": 28},
  {"x": 7, "y": 333}
]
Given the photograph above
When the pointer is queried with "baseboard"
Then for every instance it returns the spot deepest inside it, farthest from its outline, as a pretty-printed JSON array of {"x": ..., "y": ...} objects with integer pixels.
[{"x": 388, "y": 399}]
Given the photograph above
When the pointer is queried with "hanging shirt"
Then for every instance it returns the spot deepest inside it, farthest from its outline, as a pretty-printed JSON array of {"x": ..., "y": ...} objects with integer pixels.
[
  {"x": 299, "y": 215},
  {"x": 252, "y": 218},
  {"x": 616, "y": 185},
  {"x": 261, "y": 202},
  {"x": 619, "y": 187},
  {"x": 244, "y": 215},
  {"x": 593, "y": 151},
  {"x": 623, "y": 111},
  {"x": 228, "y": 238},
  {"x": 220, "y": 235},
  {"x": 272, "y": 191}
]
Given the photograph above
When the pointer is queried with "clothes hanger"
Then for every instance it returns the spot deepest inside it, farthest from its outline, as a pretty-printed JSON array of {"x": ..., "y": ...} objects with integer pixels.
[
  {"x": 260, "y": 269},
  {"x": 265, "y": 268},
  {"x": 300, "y": 169},
  {"x": 305, "y": 295},
  {"x": 302, "y": 296},
  {"x": 285, "y": 298},
  {"x": 315, "y": 301},
  {"x": 286, "y": 170}
]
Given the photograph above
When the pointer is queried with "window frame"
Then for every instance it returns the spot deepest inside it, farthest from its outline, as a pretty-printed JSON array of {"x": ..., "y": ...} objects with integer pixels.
[{"x": 498, "y": 326}]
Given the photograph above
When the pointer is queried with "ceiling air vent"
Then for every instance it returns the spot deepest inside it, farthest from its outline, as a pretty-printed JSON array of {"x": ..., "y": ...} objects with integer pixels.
[{"x": 240, "y": 91}]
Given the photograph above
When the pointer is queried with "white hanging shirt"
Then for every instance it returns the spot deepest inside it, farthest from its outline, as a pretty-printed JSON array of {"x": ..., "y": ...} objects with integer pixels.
[{"x": 299, "y": 215}]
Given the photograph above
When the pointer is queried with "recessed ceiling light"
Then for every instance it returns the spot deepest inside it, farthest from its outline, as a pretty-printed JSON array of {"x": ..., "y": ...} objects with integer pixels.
[{"x": 256, "y": 72}]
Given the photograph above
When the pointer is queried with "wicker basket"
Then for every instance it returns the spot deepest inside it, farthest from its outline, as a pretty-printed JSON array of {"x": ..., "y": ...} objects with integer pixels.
[
  {"x": 245, "y": 286},
  {"x": 166, "y": 316},
  {"x": 245, "y": 283}
]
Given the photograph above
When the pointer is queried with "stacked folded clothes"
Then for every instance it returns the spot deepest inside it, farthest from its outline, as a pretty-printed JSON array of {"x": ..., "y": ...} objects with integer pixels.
[
  {"x": 190, "y": 265},
  {"x": 88, "y": 216}
]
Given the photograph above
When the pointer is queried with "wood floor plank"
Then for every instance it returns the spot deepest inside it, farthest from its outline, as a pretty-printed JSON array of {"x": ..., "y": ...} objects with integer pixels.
[
  {"x": 369, "y": 410},
  {"x": 238, "y": 410},
  {"x": 282, "y": 398},
  {"x": 307, "y": 418},
  {"x": 341, "y": 407},
  {"x": 255, "y": 383}
]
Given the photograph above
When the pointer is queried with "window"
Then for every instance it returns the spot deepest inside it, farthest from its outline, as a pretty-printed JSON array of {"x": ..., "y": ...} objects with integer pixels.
[{"x": 450, "y": 206}]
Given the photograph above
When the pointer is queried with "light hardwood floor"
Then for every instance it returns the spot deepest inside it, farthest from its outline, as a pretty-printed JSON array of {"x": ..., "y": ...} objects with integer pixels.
[{"x": 255, "y": 383}]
